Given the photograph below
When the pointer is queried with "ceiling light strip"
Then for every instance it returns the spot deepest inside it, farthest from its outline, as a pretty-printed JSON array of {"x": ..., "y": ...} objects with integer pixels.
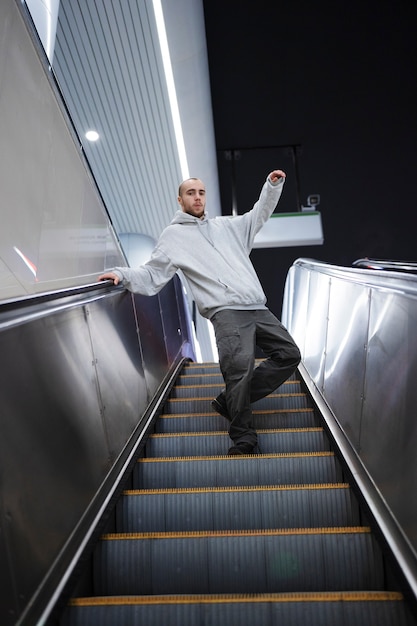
[{"x": 172, "y": 94}]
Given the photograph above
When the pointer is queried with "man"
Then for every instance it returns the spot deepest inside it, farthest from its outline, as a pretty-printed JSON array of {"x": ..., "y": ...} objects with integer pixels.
[{"x": 214, "y": 256}]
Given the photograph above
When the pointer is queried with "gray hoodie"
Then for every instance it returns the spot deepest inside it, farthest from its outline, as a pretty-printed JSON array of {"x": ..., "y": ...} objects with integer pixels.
[{"x": 213, "y": 255}]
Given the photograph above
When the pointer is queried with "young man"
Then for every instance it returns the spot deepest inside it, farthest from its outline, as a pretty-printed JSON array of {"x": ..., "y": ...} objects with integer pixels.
[{"x": 214, "y": 256}]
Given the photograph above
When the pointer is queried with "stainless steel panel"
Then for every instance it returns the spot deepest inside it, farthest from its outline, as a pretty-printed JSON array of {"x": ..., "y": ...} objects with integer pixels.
[
  {"x": 295, "y": 304},
  {"x": 369, "y": 339},
  {"x": 317, "y": 309},
  {"x": 53, "y": 448},
  {"x": 389, "y": 424},
  {"x": 119, "y": 368},
  {"x": 347, "y": 331},
  {"x": 152, "y": 340},
  {"x": 55, "y": 230},
  {"x": 171, "y": 320}
]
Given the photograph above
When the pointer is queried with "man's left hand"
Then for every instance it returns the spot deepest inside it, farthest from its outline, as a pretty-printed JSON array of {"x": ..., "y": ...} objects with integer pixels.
[{"x": 276, "y": 175}]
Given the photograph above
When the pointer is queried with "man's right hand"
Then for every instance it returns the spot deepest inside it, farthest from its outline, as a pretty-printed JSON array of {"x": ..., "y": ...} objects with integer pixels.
[{"x": 110, "y": 276}]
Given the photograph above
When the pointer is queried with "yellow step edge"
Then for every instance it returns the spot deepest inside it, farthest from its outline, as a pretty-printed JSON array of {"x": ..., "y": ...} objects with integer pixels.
[
  {"x": 210, "y": 364},
  {"x": 269, "y": 532},
  {"x": 326, "y": 596},
  {"x": 272, "y": 395},
  {"x": 312, "y": 429},
  {"x": 224, "y": 457},
  {"x": 254, "y": 412},
  {"x": 233, "y": 488},
  {"x": 220, "y": 384}
]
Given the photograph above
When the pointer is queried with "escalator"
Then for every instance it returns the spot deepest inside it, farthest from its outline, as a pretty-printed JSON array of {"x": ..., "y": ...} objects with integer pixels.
[{"x": 198, "y": 537}]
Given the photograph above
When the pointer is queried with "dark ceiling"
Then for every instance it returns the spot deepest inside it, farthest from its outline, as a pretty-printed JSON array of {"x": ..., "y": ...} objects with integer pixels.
[{"x": 326, "y": 91}]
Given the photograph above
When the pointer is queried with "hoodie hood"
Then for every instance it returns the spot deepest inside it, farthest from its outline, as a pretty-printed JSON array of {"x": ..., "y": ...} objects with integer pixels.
[{"x": 181, "y": 217}]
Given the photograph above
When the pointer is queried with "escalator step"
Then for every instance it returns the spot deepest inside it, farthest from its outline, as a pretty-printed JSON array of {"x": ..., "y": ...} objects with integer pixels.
[
  {"x": 200, "y": 379},
  {"x": 314, "y": 609},
  {"x": 213, "y": 390},
  {"x": 271, "y": 561},
  {"x": 296, "y": 418},
  {"x": 246, "y": 508},
  {"x": 214, "y": 368},
  {"x": 203, "y": 404},
  {"x": 216, "y": 443},
  {"x": 201, "y": 368},
  {"x": 223, "y": 471}
]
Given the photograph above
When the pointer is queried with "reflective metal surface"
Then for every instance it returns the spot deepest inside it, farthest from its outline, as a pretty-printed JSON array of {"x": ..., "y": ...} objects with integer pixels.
[
  {"x": 386, "y": 264},
  {"x": 357, "y": 331},
  {"x": 76, "y": 378},
  {"x": 55, "y": 230}
]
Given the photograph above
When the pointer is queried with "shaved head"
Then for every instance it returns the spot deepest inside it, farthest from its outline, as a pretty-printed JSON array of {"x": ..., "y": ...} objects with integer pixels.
[{"x": 181, "y": 187}]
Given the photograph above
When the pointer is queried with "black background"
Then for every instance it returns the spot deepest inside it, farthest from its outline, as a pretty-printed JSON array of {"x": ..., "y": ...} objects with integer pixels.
[{"x": 337, "y": 80}]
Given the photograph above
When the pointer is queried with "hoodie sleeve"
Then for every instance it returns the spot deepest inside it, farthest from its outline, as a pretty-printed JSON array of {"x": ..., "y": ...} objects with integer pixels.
[
  {"x": 150, "y": 278},
  {"x": 262, "y": 210}
]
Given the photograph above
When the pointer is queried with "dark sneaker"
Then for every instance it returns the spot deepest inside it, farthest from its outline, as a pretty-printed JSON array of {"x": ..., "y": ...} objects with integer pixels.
[
  {"x": 221, "y": 408},
  {"x": 240, "y": 449}
]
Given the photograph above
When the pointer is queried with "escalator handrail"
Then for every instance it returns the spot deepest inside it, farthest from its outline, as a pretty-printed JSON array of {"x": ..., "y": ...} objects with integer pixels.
[
  {"x": 28, "y": 308},
  {"x": 387, "y": 265},
  {"x": 49, "y": 296},
  {"x": 403, "y": 282}
]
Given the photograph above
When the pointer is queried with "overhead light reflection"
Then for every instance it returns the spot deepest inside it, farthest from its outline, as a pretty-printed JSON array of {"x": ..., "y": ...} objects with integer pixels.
[{"x": 27, "y": 262}]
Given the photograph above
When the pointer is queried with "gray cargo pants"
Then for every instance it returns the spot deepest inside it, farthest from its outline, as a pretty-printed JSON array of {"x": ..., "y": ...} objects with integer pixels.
[{"x": 237, "y": 335}]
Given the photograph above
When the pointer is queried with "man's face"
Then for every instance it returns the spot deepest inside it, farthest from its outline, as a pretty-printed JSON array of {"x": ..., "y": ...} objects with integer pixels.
[{"x": 193, "y": 197}]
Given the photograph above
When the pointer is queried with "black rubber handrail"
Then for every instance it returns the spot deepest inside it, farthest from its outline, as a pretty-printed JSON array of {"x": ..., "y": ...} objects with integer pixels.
[
  {"x": 386, "y": 264},
  {"x": 49, "y": 296}
]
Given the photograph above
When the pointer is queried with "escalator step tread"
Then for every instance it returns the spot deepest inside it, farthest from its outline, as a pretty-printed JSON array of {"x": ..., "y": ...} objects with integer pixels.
[
  {"x": 202, "y": 404},
  {"x": 277, "y": 469},
  {"x": 214, "y": 368},
  {"x": 213, "y": 389},
  {"x": 267, "y": 561},
  {"x": 200, "y": 379},
  {"x": 271, "y": 538},
  {"x": 292, "y": 418},
  {"x": 237, "y": 508},
  {"x": 216, "y": 443},
  {"x": 314, "y": 609}
]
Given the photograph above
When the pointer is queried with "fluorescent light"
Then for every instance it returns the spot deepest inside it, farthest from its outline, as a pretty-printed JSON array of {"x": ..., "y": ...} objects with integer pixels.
[
  {"x": 172, "y": 94},
  {"x": 92, "y": 135},
  {"x": 182, "y": 155}
]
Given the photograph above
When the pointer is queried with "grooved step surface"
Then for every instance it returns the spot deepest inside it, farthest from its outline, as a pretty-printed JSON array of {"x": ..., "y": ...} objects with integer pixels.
[
  {"x": 274, "y": 469},
  {"x": 314, "y": 609},
  {"x": 238, "y": 562},
  {"x": 212, "y": 443},
  {"x": 269, "y": 539},
  {"x": 203, "y": 404},
  {"x": 206, "y": 422},
  {"x": 236, "y": 509},
  {"x": 187, "y": 390}
]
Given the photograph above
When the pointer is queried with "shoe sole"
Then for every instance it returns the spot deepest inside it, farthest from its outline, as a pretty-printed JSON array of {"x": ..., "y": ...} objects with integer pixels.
[{"x": 239, "y": 451}]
